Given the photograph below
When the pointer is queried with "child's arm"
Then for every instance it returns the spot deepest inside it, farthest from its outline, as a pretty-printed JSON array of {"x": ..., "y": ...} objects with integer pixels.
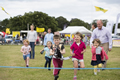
[
  {"x": 73, "y": 54},
  {"x": 29, "y": 49},
  {"x": 51, "y": 52},
  {"x": 22, "y": 50},
  {"x": 62, "y": 51},
  {"x": 83, "y": 51},
  {"x": 93, "y": 49},
  {"x": 41, "y": 50}
]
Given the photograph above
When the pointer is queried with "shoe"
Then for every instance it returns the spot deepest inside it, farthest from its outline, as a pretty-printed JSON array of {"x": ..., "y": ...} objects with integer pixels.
[
  {"x": 27, "y": 66},
  {"x": 95, "y": 73},
  {"x": 75, "y": 78},
  {"x": 78, "y": 67},
  {"x": 98, "y": 70},
  {"x": 56, "y": 77}
]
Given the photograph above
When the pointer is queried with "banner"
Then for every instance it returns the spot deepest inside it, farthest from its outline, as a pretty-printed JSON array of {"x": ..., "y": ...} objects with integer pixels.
[
  {"x": 14, "y": 33},
  {"x": 116, "y": 25},
  {"x": 116, "y": 43},
  {"x": 40, "y": 29},
  {"x": 69, "y": 35},
  {"x": 109, "y": 26},
  {"x": 7, "y": 30}
]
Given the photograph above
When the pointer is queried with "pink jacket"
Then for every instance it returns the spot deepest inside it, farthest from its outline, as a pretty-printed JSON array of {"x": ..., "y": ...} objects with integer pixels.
[{"x": 103, "y": 53}]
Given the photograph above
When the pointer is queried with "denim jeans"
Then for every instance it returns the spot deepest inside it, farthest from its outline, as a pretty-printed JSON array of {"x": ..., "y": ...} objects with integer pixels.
[
  {"x": 32, "y": 52},
  {"x": 48, "y": 61}
]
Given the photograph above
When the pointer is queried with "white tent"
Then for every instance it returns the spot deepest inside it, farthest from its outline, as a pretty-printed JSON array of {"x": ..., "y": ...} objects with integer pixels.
[{"x": 74, "y": 29}]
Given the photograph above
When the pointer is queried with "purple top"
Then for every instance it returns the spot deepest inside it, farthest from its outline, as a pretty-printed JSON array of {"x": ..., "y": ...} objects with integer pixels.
[
  {"x": 103, "y": 35},
  {"x": 78, "y": 49}
]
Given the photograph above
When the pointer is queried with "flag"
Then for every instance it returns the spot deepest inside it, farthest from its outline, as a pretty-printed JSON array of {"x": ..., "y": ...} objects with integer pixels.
[
  {"x": 100, "y": 9},
  {"x": 4, "y": 10},
  {"x": 116, "y": 25}
]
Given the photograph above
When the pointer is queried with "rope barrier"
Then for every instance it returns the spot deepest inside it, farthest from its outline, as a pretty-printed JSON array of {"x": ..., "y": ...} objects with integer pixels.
[{"x": 55, "y": 68}]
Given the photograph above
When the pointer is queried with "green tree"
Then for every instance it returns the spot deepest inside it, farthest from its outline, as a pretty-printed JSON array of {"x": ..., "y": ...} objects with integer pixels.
[
  {"x": 61, "y": 22},
  {"x": 78, "y": 22}
]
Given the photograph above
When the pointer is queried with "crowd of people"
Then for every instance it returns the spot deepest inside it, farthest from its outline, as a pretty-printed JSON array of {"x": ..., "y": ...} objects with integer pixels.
[{"x": 54, "y": 50}]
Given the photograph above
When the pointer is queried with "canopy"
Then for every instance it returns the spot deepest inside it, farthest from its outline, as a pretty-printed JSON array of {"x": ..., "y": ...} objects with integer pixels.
[{"x": 74, "y": 29}]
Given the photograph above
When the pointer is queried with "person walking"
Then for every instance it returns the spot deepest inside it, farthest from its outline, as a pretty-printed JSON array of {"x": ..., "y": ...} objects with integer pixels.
[{"x": 32, "y": 37}]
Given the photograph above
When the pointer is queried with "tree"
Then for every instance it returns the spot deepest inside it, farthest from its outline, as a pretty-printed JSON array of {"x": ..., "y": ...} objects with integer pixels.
[
  {"x": 78, "y": 22},
  {"x": 61, "y": 22},
  {"x": 39, "y": 19}
]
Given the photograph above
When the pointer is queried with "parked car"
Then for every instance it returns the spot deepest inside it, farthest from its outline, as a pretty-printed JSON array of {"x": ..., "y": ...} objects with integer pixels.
[
  {"x": 115, "y": 37},
  {"x": 9, "y": 38}
]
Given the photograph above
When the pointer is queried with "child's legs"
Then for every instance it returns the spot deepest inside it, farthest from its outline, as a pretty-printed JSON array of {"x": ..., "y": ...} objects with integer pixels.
[
  {"x": 24, "y": 57},
  {"x": 96, "y": 66},
  {"x": 75, "y": 66},
  {"x": 47, "y": 60},
  {"x": 99, "y": 65},
  {"x": 60, "y": 63},
  {"x": 27, "y": 60},
  {"x": 28, "y": 56},
  {"x": 55, "y": 64},
  {"x": 82, "y": 65}
]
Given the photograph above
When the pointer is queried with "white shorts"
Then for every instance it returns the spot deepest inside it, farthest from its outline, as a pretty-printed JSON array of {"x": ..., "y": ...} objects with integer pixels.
[{"x": 77, "y": 60}]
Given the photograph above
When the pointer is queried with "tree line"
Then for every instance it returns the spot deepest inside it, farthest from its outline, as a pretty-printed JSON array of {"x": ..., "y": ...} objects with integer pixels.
[{"x": 42, "y": 20}]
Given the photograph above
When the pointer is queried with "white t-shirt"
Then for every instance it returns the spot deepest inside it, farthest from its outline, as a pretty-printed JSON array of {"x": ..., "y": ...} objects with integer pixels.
[{"x": 26, "y": 49}]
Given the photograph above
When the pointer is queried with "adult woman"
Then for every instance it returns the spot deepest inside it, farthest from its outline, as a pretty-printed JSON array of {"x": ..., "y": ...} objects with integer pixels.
[{"x": 32, "y": 37}]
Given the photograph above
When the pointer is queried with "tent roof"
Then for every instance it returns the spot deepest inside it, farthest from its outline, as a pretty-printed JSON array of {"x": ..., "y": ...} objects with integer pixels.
[{"x": 74, "y": 29}]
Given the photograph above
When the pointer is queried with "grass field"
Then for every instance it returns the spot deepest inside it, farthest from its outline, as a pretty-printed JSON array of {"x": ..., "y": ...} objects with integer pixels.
[{"x": 10, "y": 55}]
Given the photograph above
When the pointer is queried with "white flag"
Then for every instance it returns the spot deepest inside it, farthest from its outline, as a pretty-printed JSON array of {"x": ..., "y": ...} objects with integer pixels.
[{"x": 116, "y": 26}]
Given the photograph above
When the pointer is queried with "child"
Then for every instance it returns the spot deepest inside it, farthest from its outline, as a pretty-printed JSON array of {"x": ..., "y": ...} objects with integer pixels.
[
  {"x": 77, "y": 50},
  {"x": 57, "y": 50},
  {"x": 26, "y": 51},
  {"x": 47, "y": 54},
  {"x": 98, "y": 54}
]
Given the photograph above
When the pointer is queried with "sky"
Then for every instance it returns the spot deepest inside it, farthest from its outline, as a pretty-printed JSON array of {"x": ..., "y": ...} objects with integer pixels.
[{"x": 81, "y": 9}]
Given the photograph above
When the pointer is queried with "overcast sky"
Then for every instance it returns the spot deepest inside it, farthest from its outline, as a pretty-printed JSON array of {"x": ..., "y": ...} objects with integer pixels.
[{"x": 81, "y": 9}]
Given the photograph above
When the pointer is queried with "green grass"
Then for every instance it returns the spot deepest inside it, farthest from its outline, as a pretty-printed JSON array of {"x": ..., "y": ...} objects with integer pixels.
[{"x": 10, "y": 55}]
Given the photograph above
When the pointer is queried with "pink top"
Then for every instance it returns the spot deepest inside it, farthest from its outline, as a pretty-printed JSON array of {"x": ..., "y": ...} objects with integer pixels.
[
  {"x": 78, "y": 49},
  {"x": 103, "y": 53}
]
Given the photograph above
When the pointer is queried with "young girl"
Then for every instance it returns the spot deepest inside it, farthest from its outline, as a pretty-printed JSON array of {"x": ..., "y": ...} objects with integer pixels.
[
  {"x": 26, "y": 52},
  {"x": 47, "y": 54},
  {"x": 77, "y": 50},
  {"x": 98, "y": 54}
]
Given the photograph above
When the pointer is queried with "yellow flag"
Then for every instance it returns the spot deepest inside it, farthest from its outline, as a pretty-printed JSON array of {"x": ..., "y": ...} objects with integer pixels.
[
  {"x": 4, "y": 10},
  {"x": 100, "y": 9},
  {"x": 40, "y": 29},
  {"x": 8, "y": 30}
]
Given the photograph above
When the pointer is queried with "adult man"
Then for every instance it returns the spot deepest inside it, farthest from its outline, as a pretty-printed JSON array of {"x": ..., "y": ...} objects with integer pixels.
[
  {"x": 104, "y": 36},
  {"x": 94, "y": 26},
  {"x": 48, "y": 37}
]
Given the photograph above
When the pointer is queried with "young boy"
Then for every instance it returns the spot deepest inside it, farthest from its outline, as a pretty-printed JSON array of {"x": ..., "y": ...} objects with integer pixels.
[{"x": 57, "y": 50}]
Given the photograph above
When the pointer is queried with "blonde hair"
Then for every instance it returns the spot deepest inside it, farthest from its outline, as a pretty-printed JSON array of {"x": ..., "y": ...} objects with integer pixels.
[
  {"x": 26, "y": 41},
  {"x": 49, "y": 42}
]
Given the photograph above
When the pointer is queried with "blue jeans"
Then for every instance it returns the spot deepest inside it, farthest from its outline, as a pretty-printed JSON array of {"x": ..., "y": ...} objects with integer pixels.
[
  {"x": 32, "y": 52},
  {"x": 48, "y": 61}
]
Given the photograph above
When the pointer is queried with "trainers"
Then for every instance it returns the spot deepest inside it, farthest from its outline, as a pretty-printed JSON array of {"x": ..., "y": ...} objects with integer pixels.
[
  {"x": 95, "y": 73},
  {"x": 56, "y": 77},
  {"x": 75, "y": 78},
  {"x": 27, "y": 66}
]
